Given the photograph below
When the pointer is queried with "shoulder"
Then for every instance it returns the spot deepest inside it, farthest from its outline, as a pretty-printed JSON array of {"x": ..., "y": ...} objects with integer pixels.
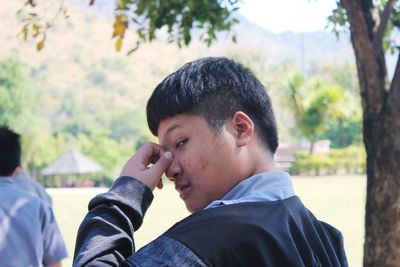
[
  {"x": 248, "y": 213},
  {"x": 234, "y": 235},
  {"x": 12, "y": 193},
  {"x": 33, "y": 187},
  {"x": 267, "y": 233}
]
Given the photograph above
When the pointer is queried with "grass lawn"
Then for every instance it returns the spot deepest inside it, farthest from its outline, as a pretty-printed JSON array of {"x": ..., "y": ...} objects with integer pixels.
[{"x": 337, "y": 200}]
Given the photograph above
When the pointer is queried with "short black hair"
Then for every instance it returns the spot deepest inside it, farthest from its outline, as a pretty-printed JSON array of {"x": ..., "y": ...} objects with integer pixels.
[
  {"x": 10, "y": 151},
  {"x": 215, "y": 87}
]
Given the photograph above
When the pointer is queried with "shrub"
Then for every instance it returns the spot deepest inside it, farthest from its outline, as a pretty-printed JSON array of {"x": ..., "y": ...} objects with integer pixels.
[{"x": 347, "y": 160}]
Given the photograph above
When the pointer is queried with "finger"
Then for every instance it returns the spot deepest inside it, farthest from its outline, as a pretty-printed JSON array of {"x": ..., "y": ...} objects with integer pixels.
[
  {"x": 160, "y": 184},
  {"x": 154, "y": 158},
  {"x": 141, "y": 159},
  {"x": 149, "y": 153},
  {"x": 162, "y": 164}
]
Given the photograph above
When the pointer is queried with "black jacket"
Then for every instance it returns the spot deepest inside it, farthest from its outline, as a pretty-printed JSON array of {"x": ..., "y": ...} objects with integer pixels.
[{"x": 270, "y": 233}]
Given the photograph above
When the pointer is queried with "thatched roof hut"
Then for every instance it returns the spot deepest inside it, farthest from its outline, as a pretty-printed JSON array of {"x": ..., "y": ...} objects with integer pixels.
[{"x": 72, "y": 163}]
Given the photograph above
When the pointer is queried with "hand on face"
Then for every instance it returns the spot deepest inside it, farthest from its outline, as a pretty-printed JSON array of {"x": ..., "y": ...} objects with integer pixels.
[{"x": 138, "y": 165}]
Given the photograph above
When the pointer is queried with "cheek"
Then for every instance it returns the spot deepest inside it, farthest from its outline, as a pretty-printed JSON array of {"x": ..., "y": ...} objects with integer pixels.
[
  {"x": 203, "y": 163},
  {"x": 197, "y": 164},
  {"x": 187, "y": 163}
]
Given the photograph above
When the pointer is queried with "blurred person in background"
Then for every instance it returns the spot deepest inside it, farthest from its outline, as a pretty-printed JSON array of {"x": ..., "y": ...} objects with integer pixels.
[{"x": 29, "y": 234}]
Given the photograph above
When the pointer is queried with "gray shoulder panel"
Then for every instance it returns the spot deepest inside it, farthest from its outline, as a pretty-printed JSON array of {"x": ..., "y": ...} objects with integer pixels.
[{"x": 165, "y": 252}]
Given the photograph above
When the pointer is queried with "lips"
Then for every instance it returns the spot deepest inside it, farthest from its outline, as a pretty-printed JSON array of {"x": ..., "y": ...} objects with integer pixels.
[{"x": 183, "y": 189}]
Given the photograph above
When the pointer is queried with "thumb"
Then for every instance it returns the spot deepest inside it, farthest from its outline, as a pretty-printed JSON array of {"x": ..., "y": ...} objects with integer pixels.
[{"x": 162, "y": 164}]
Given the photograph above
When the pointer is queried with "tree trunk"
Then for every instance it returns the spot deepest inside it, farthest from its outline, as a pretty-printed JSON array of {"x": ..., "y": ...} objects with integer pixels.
[
  {"x": 382, "y": 222},
  {"x": 312, "y": 144},
  {"x": 381, "y": 112}
]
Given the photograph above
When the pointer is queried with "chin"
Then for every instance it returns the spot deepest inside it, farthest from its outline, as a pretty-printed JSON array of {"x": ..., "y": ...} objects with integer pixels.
[
  {"x": 193, "y": 208},
  {"x": 190, "y": 209}
]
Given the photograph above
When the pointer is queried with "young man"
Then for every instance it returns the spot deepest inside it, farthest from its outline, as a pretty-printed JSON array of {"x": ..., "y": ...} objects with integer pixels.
[
  {"x": 29, "y": 234},
  {"x": 217, "y": 136}
]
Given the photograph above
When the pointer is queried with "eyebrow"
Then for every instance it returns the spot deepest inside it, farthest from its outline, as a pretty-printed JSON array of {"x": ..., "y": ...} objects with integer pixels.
[{"x": 173, "y": 127}]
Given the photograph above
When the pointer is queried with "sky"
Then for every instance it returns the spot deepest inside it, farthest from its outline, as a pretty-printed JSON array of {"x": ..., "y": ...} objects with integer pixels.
[{"x": 288, "y": 15}]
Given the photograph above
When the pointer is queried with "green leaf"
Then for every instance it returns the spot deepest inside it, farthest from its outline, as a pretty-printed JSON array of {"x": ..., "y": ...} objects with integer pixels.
[
  {"x": 25, "y": 32},
  {"x": 36, "y": 30},
  {"x": 40, "y": 44},
  {"x": 118, "y": 44}
]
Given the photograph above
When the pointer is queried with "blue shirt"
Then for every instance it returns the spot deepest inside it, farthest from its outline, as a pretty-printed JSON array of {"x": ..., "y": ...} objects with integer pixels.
[
  {"x": 265, "y": 186},
  {"x": 29, "y": 235},
  {"x": 28, "y": 184}
]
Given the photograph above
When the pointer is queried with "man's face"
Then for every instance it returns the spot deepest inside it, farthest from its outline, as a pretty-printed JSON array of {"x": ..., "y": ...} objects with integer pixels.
[{"x": 204, "y": 165}]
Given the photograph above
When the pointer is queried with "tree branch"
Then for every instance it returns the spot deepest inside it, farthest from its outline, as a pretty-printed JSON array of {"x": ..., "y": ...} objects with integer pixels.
[
  {"x": 396, "y": 76},
  {"x": 369, "y": 68},
  {"x": 32, "y": 3},
  {"x": 383, "y": 22},
  {"x": 394, "y": 93}
]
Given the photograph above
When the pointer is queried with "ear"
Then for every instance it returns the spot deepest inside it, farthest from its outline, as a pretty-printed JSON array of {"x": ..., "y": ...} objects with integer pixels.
[{"x": 244, "y": 128}]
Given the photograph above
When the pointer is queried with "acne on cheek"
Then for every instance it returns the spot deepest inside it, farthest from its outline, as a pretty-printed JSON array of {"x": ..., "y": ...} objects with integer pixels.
[
  {"x": 203, "y": 163},
  {"x": 187, "y": 163}
]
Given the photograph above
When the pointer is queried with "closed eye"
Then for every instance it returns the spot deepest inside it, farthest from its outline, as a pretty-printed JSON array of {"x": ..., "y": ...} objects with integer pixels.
[{"x": 181, "y": 143}]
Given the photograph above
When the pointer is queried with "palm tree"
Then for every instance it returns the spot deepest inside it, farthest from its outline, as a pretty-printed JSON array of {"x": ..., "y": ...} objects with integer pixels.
[{"x": 314, "y": 104}]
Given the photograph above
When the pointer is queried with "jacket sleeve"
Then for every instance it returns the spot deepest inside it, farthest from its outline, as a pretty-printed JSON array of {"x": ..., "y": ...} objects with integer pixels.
[{"x": 105, "y": 237}]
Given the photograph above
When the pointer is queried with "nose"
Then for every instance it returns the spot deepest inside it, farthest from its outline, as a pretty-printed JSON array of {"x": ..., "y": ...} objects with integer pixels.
[{"x": 174, "y": 171}]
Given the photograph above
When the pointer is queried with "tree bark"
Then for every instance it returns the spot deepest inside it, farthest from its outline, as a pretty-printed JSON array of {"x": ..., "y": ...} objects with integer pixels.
[{"x": 381, "y": 114}]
